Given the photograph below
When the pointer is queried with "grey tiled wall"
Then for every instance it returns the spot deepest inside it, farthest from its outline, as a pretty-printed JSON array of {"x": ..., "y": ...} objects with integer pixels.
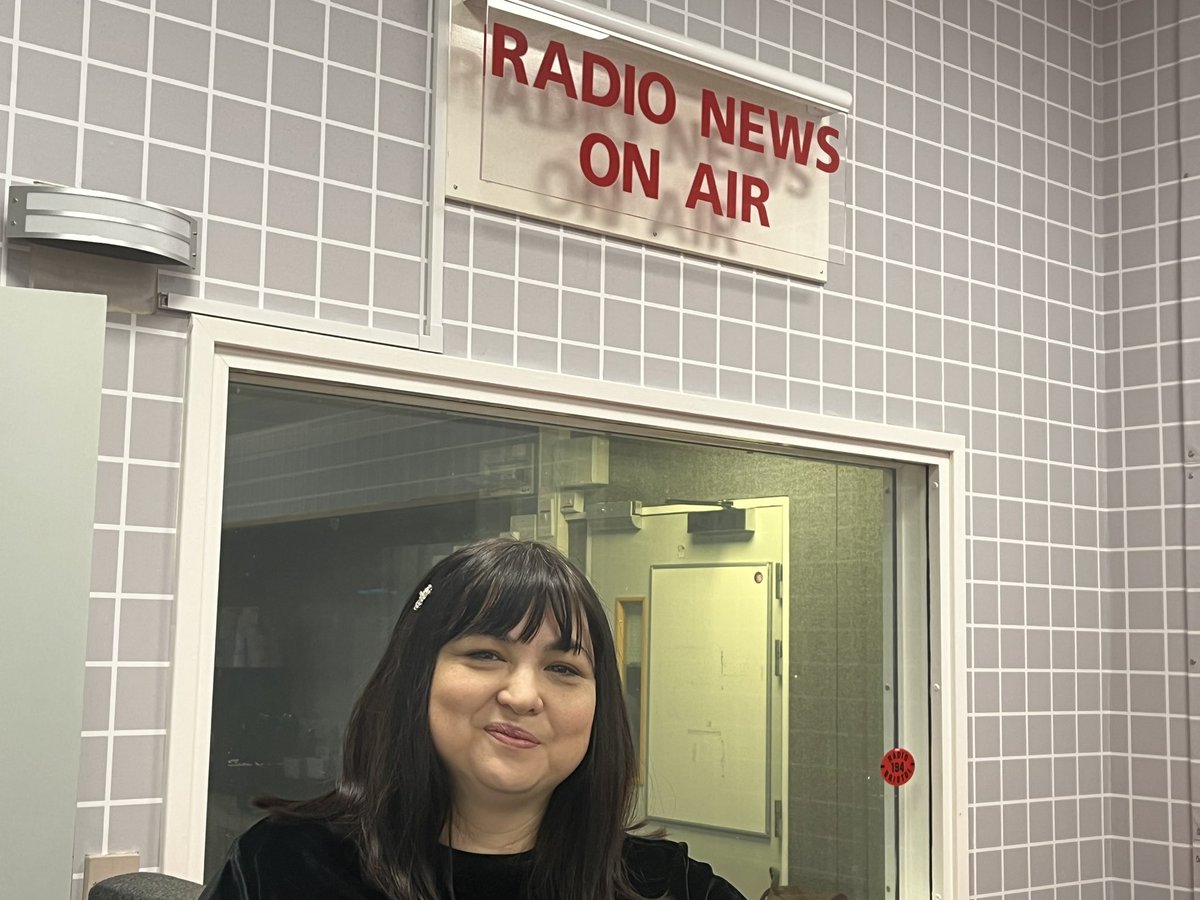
[
  {"x": 1149, "y": 203},
  {"x": 131, "y": 602},
  {"x": 295, "y": 129},
  {"x": 1021, "y": 269}
]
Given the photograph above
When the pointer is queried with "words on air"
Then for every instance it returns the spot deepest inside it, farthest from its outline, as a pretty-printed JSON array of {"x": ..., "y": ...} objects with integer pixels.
[{"x": 632, "y": 167}]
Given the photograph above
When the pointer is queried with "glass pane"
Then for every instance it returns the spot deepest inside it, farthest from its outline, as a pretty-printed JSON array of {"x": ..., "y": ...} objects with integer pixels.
[{"x": 752, "y": 595}]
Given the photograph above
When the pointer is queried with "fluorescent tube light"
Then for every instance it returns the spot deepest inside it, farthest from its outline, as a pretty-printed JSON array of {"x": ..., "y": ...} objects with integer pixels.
[{"x": 525, "y": 10}]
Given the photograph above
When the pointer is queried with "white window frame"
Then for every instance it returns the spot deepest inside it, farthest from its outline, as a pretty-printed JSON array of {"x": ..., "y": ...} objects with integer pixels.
[{"x": 217, "y": 347}]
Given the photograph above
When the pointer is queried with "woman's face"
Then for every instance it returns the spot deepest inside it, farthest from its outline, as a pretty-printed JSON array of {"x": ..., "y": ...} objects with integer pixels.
[{"x": 511, "y": 720}]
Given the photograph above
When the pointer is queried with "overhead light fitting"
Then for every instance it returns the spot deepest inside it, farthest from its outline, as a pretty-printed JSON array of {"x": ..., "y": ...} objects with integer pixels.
[
  {"x": 546, "y": 17},
  {"x": 105, "y": 224}
]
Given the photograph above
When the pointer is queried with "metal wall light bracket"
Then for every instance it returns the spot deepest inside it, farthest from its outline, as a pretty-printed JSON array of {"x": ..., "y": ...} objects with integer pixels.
[{"x": 105, "y": 224}]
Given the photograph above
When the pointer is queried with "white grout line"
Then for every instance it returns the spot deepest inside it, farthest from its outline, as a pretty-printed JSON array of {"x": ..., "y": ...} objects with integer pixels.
[
  {"x": 80, "y": 124},
  {"x": 93, "y": 804},
  {"x": 11, "y": 100},
  {"x": 128, "y": 664},
  {"x": 264, "y": 214},
  {"x": 372, "y": 238},
  {"x": 120, "y": 576},
  {"x": 207, "y": 151}
]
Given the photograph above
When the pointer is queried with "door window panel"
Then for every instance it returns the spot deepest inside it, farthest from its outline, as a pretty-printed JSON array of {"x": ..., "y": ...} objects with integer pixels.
[{"x": 752, "y": 593}]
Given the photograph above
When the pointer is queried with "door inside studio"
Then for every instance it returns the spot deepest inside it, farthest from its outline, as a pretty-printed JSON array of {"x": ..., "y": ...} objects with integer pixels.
[{"x": 698, "y": 590}]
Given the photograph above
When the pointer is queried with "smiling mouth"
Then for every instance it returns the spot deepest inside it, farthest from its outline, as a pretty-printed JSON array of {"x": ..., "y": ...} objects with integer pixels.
[{"x": 512, "y": 736}]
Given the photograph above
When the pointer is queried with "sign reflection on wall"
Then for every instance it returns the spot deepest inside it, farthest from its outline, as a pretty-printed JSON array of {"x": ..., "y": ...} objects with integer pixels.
[{"x": 601, "y": 133}]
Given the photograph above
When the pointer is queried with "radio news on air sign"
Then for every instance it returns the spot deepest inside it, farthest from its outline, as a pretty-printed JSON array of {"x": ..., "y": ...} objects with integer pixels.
[{"x": 576, "y": 115}]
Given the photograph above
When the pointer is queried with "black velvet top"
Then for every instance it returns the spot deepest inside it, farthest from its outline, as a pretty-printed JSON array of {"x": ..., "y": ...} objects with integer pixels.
[{"x": 281, "y": 859}]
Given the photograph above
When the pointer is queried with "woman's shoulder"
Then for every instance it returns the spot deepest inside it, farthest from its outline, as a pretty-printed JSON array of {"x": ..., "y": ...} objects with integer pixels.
[
  {"x": 657, "y": 867},
  {"x": 279, "y": 855},
  {"x": 275, "y": 832}
]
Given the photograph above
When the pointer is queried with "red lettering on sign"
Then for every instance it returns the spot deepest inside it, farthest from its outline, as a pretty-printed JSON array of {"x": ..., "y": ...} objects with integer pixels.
[
  {"x": 626, "y": 163},
  {"x": 704, "y": 189},
  {"x": 786, "y": 140},
  {"x": 740, "y": 122},
  {"x": 652, "y": 94},
  {"x": 710, "y": 116},
  {"x": 754, "y": 197},
  {"x": 667, "y": 113},
  {"x": 825, "y": 137},
  {"x": 897, "y": 767},
  {"x": 592, "y": 62},
  {"x": 502, "y": 52},
  {"x": 630, "y": 92},
  {"x": 613, "y": 169},
  {"x": 555, "y": 68},
  {"x": 635, "y": 165},
  {"x": 606, "y": 163},
  {"x": 744, "y": 195},
  {"x": 748, "y": 127}
]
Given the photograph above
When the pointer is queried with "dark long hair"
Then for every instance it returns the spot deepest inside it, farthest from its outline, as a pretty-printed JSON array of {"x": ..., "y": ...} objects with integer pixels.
[{"x": 393, "y": 797}]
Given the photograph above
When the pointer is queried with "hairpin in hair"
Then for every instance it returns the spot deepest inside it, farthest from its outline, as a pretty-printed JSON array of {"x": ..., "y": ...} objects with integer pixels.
[{"x": 424, "y": 592}]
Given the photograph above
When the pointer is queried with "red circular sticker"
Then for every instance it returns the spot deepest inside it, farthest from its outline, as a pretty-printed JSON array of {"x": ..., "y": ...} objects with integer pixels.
[{"x": 897, "y": 766}]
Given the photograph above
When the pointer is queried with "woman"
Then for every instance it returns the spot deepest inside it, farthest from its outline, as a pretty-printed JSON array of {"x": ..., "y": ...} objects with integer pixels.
[{"x": 488, "y": 757}]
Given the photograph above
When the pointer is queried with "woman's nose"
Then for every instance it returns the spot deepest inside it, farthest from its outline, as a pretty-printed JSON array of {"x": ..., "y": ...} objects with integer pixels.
[{"x": 521, "y": 692}]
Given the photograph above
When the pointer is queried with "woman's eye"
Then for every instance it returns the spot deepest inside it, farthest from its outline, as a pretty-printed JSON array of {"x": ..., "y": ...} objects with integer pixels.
[
  {"x": 563, "y": 669},
  {"x": 483, "y": 655}
]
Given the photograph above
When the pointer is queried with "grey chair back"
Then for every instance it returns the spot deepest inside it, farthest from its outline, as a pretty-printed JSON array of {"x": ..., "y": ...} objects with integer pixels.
[{"x": 144, "y": 886}]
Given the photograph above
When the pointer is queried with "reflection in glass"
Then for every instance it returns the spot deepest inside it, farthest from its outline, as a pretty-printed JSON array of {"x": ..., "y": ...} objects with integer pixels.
[
  {"x": 751, "y": 594},
  {"x": 631, "y": 653}
]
